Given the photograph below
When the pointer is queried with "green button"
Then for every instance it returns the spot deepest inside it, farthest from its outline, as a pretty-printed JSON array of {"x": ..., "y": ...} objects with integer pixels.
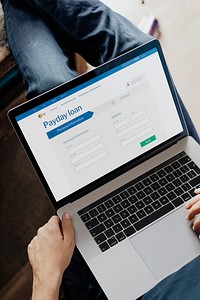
[{"x": 148, "y": 141}]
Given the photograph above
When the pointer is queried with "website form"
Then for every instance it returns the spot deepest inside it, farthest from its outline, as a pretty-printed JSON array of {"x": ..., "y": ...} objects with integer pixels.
[{"x": 79, "y": 137}]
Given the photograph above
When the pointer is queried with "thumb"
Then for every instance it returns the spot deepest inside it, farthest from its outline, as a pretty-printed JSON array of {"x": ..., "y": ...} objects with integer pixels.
[{"x": 67, "y": 228}]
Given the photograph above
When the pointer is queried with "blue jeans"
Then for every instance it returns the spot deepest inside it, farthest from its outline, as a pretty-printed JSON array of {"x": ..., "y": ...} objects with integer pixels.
[{"x": 40, "y": 34}]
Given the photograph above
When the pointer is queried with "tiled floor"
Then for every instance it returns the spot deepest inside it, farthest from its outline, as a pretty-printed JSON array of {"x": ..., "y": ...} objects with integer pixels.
[{"x": 179, "y": 24}]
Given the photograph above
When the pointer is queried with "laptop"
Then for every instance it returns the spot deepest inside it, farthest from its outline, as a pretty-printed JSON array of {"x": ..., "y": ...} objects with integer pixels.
[{"x": 111, "y": 147}]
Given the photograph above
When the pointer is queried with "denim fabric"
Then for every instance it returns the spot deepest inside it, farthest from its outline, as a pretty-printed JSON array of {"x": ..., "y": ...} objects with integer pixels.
[
  {"x": 37, "y": 31},
  {"x": 36, "y": 49},
  {"x": 183, "y": 284}
]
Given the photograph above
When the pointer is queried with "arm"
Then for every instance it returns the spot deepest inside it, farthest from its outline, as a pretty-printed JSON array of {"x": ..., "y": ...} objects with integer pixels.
[
  {"x": 50, "y": 253},
  {"x": 193, "y": 207}
]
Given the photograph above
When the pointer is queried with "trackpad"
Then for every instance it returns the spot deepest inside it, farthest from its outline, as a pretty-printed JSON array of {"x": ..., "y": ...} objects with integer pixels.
[{"x": 168, "y": 244}]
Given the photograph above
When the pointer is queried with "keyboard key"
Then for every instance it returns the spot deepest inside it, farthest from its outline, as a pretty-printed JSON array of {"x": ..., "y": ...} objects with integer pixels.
[
  {"x": 186, "y": 197},
  {"x": 170, "y": 177},
  {"x": 171, "y": 196},
  {"x": 184, "y": 169},
  {"x": 140, "y": 195},
  {"x": 117, "y": 208},
  {"x": 193, "y": 166},
  {"x": 116, "y": 219},
  {"x": 124, "y": 194},
  {"x": 154, "y": 216},
  {"x": 129, "y": 231},
  {"x": 141, "y": 214},
  {"x": 184, "y": 160},
  {"x": 170, "y": 187},
  {"x": 117, "y": 199},
  {"x": 195, "y": 182},
  {"x": 147, "y": 200},
  {"x": 100, "y": 238},
  {"x": 120, "y": 236},
  {"x": 132, "y": 209},
  {"x": 148, "y": 190},
  {"x": 102, "y": 217},
  {"x": 125, "y": 223},
  {"x": 117, "y": 228},
  {"x": 184, "y": 178},
  {"x": 168, "y": 169},
  {"x": 133, "y": 219},
  {"x": 154, "y": 177},
  {"x": 104, "y": 246},
  {"x": 191, "y": 174},
  {"x": 139, "y": 204},
  {"x": 179, "y": 191},
  {"x": 147, "y": 181},
  {"x": 162, "y": 191},
  {"x": 112, "y": 241},
  {"x": 133, "y": 199},
  {"x": 162, "y": 181},
  {"x": 161, "y": 173},
  {"x": 92, "y": 223},
  {"x": 125, "y": 203},
  {"x": 186, "y": 187},
  {"x": 191, "y": 193},
  {"x": 177, "y": 182},
  {"x": 108, "y": 223},
  {"x": 177, "y": 173},
  {"x": 155, "y": 196},
  {"x": 93, "y": 212},
  {"x": 164, "y": 200},
  {"x": 110, "y": 212},
  {"x": 148, "y": 209},
  {"x": 101, "y": 208},
  {"x": 124, "y": 214},
  {"x": 109, "y": 233},
  {"x": 177, "y": 202},
  {"x": 156, "y": 204},
  {"x": 155, "y": 186},
  {"x": 176, "y": 165},
  {"x": 85, "y": 217},
  {"x": 97, "y": 230},
  {"x": 109, "y": 203},
  {"x": 132, "y": 190},
  {"x": 139, "y": 186}
]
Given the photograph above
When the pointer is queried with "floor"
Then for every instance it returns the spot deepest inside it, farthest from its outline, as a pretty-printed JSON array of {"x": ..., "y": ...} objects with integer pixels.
[{"x": 179, "y": 25}]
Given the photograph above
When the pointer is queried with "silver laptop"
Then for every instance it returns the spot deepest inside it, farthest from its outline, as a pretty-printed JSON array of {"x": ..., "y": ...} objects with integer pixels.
[{"x": 111, "y": 147}]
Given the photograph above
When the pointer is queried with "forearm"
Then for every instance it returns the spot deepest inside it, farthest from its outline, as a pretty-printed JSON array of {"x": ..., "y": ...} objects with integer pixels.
[{"x": 46, "y": 289}]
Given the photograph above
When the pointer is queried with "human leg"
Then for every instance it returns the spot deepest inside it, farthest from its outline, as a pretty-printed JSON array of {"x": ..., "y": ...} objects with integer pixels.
[
  {"x": 97, "y": 33},
  {"x": 78, "y": 281},
  {"x": 183, "y": 284},
  {"x": 36, "y": 49},
  {"x": 91, "y": 28}
]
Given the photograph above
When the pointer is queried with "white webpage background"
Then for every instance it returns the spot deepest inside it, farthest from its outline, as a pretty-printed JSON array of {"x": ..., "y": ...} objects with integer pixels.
[{"x": 129, "y": 107}]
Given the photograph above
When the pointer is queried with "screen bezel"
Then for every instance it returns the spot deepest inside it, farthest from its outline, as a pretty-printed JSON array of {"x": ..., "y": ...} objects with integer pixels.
[{"x": 15, "y": 112}]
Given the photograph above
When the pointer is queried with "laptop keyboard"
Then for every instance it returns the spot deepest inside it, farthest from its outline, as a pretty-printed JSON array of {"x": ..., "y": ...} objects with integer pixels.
[{"x": 142, "y": 201}]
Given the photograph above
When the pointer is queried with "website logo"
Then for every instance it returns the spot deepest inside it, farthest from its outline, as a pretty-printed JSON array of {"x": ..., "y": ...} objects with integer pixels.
[{"x": 41, "y": 115}]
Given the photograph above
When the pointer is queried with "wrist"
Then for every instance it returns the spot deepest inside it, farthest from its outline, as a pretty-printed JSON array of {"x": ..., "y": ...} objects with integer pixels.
[{"x": 46, "y": 288}]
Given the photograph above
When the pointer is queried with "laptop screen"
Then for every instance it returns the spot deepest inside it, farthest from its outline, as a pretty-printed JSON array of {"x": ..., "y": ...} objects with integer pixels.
[{"x": 94, "y": 128}]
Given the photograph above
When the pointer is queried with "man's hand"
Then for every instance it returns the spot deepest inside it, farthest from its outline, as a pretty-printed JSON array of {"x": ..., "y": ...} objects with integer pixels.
[
  {"x": 193, "y": 207},
  {"x": 50, "y": 253}
]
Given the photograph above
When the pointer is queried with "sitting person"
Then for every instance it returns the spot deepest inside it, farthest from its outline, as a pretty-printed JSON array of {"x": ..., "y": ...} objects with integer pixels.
[
  {"x": 41, "y": 35},
  {"x": 50, "y": 253}
]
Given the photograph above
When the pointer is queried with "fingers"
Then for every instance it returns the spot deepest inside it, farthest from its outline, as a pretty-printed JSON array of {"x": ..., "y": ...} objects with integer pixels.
[
  {"x": 193, "y": 207},
  {"x": 67, "y": 228}
]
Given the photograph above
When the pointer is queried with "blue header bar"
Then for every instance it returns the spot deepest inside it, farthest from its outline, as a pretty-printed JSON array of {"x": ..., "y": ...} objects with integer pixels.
[
  {"x": 68, "y": 125},
  {"x": 84, "y": 85}
]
